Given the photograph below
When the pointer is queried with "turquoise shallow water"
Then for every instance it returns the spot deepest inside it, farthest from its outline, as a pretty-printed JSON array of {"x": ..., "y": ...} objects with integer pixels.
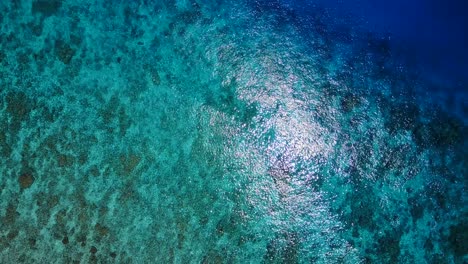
[{"x": 219, "y": 132}]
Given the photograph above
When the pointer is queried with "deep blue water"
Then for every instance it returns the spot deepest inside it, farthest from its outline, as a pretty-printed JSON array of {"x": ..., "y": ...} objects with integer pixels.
[
  {"x": 430, "y": 37},
  {"x": 432, "y": 32},
  {"x": 198, "y": 131}
]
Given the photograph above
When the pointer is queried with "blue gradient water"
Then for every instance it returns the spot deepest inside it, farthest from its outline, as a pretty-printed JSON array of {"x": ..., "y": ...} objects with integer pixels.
[
  {"x": 432, "y": 32},
  {"x": 223, "y": 132}
]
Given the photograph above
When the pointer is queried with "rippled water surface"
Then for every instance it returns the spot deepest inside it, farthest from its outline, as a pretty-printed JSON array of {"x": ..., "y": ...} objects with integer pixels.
[{"x": 219, "y": 132}]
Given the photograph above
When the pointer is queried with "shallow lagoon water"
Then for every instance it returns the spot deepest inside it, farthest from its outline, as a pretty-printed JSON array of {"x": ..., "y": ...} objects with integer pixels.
[{"x": 219, "y": 132}]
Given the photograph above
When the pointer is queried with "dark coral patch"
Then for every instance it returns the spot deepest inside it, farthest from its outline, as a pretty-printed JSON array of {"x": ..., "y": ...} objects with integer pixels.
[
  {"x": 129, "y": 163},
  {"x": 402, "y": 116},
  {"x": 2, "y": 56},
  {"x": 388, "y": 247},
  {"x": 10, "y": 215},
  {"x": 349, "y": 102},
  {"x": 93, "y": 250},
  {"x": 212, "y": 257},
  {"x": 12, "y": 234},
  {"x": 64, "y": 52},
  {"x": 101, "y": 229},
  {"x": 458, "y": 239},
  {"x": 65, "y": 160},
  {"x": 32, "y": 242},
  {"x": 26, "y": 180},
  {"x": 283, "y": 249},
  {"x": 440, "y": 132},
  {"x": 46, "y": 7},
  {"x": 5, "y": 149},
  {"x": 18, "y": 105}
]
